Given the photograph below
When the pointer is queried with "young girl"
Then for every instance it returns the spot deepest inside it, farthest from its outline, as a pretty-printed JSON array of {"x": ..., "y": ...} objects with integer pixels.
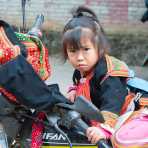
[{"x": 99, "y": 77}]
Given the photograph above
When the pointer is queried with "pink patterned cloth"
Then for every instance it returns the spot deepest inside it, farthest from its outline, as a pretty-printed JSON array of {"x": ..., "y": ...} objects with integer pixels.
[{"x": 134, "y": 133}]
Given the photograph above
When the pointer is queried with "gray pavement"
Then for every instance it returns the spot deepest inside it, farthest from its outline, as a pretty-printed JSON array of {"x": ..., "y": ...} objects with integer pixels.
[{"x": 61, "y": 73}]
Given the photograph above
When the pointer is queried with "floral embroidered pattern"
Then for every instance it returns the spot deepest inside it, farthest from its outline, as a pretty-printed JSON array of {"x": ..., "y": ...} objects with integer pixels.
[{"x": 37, "y": 54}]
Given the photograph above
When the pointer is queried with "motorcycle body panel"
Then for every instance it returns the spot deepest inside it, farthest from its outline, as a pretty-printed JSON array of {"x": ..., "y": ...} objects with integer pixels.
[
  {"x": 74, "y": 146},
  {"x": 53, "y": 139}
]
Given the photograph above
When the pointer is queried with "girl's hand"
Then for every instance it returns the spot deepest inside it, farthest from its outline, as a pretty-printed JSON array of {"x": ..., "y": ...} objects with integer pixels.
[
  {"x": 71, "y": 95},
  {"x": 94, "y": 134}
]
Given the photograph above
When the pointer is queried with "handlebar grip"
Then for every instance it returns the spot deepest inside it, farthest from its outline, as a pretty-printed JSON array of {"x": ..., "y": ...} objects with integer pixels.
[
  {"x": 82, "y": 125},
  {"x": 35, "y": 30},
  {"x": 75, "y": 119},
  {"x": 102, "y": 143}
]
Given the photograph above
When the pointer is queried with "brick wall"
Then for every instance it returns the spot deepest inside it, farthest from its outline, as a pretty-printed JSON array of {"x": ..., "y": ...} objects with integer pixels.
[{"x": 57, "y": 11}]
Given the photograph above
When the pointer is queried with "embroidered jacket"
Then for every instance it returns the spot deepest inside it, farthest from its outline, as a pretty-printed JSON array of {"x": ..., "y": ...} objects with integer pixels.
[{"x": 107, "y": 87}]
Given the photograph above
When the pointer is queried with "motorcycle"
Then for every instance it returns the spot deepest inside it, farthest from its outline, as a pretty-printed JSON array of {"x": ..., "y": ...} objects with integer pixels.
[
  {"x": 66, "y": 116},
  {"x": 65, "y": 124},
  {"x": 63, "y": 127}
]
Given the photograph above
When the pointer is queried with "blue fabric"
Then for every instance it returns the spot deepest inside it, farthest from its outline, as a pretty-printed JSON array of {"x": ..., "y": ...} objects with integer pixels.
[{"x": 138, "y": 83}]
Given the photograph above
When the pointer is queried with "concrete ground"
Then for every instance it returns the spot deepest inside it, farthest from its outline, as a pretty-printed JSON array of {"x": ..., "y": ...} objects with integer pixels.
[{"x": 61, "y": 73}]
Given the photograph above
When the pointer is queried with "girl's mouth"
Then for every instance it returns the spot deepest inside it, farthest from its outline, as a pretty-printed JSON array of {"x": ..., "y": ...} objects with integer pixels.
[{"x": 81, "y": 66}]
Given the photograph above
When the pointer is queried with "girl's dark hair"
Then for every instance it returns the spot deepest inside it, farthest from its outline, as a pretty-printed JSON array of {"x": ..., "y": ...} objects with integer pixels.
[{"x": 84, "y": 17}]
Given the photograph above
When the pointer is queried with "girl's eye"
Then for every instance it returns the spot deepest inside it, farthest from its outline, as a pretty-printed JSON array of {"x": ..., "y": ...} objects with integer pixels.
[
  {"x": 86, "y": 49},
  {"x": 72, "y": 50}
]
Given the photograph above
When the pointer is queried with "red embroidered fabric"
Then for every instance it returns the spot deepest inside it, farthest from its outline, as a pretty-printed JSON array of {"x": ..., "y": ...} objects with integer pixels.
[
  {"x": 83, "y": 88},
  {"x": 37, "y": 132}
]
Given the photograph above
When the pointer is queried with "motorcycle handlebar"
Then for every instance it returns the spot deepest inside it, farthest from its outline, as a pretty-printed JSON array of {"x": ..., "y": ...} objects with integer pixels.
[
  {"x": 78, "y": 122},
  {"x": 103, "y": 144}
]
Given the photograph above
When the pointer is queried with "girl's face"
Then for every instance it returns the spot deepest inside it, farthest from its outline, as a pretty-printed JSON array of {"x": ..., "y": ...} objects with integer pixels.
[{"x": 85, "y": 58}]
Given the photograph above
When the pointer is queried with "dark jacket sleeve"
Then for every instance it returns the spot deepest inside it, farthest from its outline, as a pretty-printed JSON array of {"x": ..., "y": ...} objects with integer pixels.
[
  {"x": 18, "y": 77},
  {"x": 112, "y": 94}
]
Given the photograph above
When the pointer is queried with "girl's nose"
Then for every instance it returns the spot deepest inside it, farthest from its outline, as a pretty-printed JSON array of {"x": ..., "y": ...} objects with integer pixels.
[{"x": 80, "y": 56}]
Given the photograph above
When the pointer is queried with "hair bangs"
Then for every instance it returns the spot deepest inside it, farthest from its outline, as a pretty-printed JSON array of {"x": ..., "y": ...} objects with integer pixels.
[{"x": 71, "y": 39}]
